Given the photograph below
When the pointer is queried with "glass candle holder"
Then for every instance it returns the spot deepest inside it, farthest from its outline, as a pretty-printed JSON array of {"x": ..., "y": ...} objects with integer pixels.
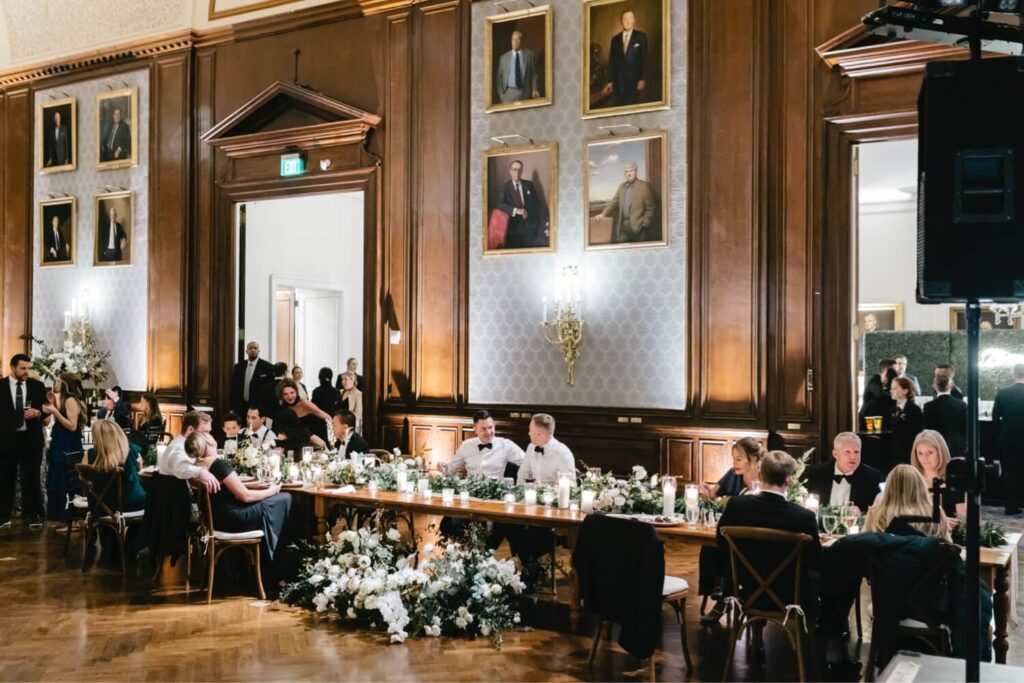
[
  {"x": 587, "y": 500},
  {"x": 372, "y": 485},
  {"x": 509, "y": 498},
  {"x": 813, "y": 503},
  {"x": 565, "y": 482},
  {"x": 293, "y": 472},
  {"x": 464, "y": 497},
  {"x": 547, "y": 497},
  {"x": 423, "y": 485},
  {"x": 530, "y": 493},
  {"x": 668, "y": 496},
  {"x": 307, "y": 454},
  {"x": 401, "y": 477},
  {"x": 447, "y": 496}
]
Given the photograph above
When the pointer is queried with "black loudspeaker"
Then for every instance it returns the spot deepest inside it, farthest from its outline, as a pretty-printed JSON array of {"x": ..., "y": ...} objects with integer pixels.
[{"x": 970, "y": 216}]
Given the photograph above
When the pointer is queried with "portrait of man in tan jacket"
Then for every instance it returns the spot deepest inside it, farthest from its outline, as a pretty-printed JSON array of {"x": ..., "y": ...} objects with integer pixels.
[{"x": 634, "y": 210}]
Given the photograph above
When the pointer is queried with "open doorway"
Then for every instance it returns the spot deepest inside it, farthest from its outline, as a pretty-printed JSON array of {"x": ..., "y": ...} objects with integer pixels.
[{"x": 300, "y": 279}]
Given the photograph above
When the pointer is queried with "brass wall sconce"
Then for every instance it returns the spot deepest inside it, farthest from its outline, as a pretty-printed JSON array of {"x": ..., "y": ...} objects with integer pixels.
[{"x": 566, "y": 329}]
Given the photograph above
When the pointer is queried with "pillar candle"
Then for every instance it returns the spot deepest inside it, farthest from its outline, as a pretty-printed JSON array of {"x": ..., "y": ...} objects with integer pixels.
[
  {"x": 564, "y": 488},
  {"x": 587, "y": 501}
]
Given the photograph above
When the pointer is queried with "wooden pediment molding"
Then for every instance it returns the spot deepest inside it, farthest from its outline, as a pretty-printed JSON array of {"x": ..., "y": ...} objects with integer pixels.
[{"x": 290, "y": 117}]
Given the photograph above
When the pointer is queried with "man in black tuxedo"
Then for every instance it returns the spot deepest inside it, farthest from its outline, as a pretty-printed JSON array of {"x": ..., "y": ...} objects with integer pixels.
[
  {"x": 113, "y": 240},
  {"x": 21, "y": 442},
  {"x": 1008, "y": 417},
  {"x": 344, "y": 424},
  {"x": 55, "y": 244},
  {"x": 56, "y": 144},
  {"x": 948, "y": 370},
  {"x": 947, "y": 416},
  {"x": 627, "y": 58},
  {"x": 845, "y": 480},
  {"x": 116, "y": 143},
  {"x": 527, "y": 214},
  {"x": 248, "y": 377}
]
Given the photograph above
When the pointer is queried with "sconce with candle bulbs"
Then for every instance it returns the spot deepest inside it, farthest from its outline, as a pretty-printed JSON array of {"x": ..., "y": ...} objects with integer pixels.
[{"x": 566, "y": 328}]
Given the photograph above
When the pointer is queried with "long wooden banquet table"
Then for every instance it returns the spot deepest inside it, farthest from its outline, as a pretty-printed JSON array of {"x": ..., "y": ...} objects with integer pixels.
[{"x": 995, "y": 562}]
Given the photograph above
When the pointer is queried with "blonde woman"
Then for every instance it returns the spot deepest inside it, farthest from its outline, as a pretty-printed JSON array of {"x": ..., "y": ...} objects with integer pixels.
[
  {"x": 905, "y": 495},
  {"x": 64, "y": 403},
  {"x": 352, "y": 398},
  {"x": 930, "y": 457},
  {"x": 111, "y": 454}
]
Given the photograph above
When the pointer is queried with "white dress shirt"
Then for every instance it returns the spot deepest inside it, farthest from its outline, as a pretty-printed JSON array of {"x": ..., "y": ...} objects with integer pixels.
[
  {"x": 261, "y": 435},
  {"x": 626, "y": 36},
  {"x": 841, "y": 491},
  {"x": 544, "y": 467},
  {"x": 174, "y": 463},
  {"x": 489, "y": 462},
  {"x": 14, "y": 397}
]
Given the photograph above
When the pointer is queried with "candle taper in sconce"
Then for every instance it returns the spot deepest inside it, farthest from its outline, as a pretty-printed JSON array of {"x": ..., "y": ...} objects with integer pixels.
[{"x": 566, "y": 329}]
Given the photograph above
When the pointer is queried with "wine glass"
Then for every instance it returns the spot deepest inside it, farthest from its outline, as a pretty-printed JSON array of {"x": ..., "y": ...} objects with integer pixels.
[
  {"x": 830, "y": 520},
  {"x": 850, "y": 515}
]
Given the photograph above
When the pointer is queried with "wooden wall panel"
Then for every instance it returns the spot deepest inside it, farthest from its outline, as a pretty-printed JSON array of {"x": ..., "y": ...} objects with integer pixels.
[
  {"x": 169, "y": 193},
  {"x": 715, "y": 459},
  {"x": 680, "y": 461},
  {"x": 17, "y": 229},
  {"x": 437, "y": 144},
  {"x": 206, "y": 340}
]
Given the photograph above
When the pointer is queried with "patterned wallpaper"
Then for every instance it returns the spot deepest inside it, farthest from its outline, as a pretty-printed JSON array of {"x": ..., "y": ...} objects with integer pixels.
[
  {"x": 634, "y": 300},
  {"x": 118, "y": 294}
]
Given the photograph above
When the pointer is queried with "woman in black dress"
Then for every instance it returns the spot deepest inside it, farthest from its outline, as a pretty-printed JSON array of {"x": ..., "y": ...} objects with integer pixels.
[
  {"x": 292, "y": 435},
  {"x": 906, "y": 423},
  {"x": 326, "y": 397},
  {"x": 313, "y": 418},
  {"x": 237, "y": 508}
]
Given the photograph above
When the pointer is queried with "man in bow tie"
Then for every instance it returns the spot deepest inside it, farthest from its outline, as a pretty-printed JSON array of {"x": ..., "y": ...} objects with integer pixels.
[
  {"x": 527, "y": 213},
  {"x": 485, "y": 454},
  {"x": 546, "y": 456},
  {"x": 349, "y": 441},
  {"x": 845, "y": 480}
]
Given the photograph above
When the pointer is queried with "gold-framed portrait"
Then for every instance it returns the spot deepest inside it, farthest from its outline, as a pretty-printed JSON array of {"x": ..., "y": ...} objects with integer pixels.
[
  {"x": 626, "y": 56},
  {"x": 886, "y": 317},
  {"x": 58, "y": 239},
  {"x": 625, "y": 184},
  {"x": 113, "y": 234},
  {"x": 958, "y": 319},
  {"x": 518, "y": 59},
  {"x": 520, "y": 201},
  {"x": 57, "y": 135},
  {"x": 117, "y": 131}
]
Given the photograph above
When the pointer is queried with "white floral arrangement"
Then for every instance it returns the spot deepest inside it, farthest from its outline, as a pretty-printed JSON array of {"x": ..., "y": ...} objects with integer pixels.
[
  {"x": 249, "y": 455},
  {"x": 82, "y": 361},
  {"x": 369, "y": 576}
]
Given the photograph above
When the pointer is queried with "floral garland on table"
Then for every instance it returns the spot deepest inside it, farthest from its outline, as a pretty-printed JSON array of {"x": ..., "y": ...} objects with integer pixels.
[
  {"x": 368, "y": 576},
  {"x": 990, "y": 534},
  {"x": 82, "y": 360}
]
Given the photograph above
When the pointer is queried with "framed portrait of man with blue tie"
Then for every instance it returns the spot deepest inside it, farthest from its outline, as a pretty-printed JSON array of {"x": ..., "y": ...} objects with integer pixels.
[
  {"x": 520, "y": 199},
  {"x": 624, "y": 190},
  {"x": 113, "y": 234},
  {"x": 117, "y": 133},
  {"x": 517, "y": 59},
  {"x": 57, "y": 232}
]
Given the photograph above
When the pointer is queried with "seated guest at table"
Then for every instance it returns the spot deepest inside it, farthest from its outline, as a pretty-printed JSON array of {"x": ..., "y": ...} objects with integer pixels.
[
  {"x": 110, "y": 453},
  {"x": 949, "y": 371},
  {"x": 237, "y": 508},
  {"x": 326, "y": 397},
  {"x": 876, "y": 401},
  {"x": 351, "y": 397},
  {"x": 292, "y": 435},
  {"x": 930, "y": 458},
  {"x": 906, "y": 494},
  {"x": 152, "y": 420},
  {"x": 546, "y": 456},
  {"x": 344, "y": 425},
  {"x": 845, "y": 480},
  {"x": 231, "y": 424},
  {"x": 485, "y": 454},
  {"x": 297, "y": 375},
  {"x": 255, "y": 431},
  {"x": 174, "y": 462},
  {"x": 115, "y": 408},
  {"x": 907, "y": 420},
  {"x": 312, "y": 418},
  {"x": 947, "y": 415},
  {"x": 746, "y": 468}
]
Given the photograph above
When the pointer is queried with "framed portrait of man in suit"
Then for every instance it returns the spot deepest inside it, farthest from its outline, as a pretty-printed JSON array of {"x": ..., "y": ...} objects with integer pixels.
[
  {"x": 517, "y": 60},
  {"x": 113, "y": 234},
  {"x": 117, "y": 133},
  {"x": 520, "y": 199},
  {"x": 57, "y": 238},
  {"x": 626, "y": 56},
  {"x": 625, "y": 183},
  {"x": 57, "y": 135}
]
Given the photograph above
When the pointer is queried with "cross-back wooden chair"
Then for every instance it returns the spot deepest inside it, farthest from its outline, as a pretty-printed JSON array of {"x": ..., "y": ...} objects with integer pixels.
[
  {"x": 760, "y": 592},
  {"x": 77, "y": 503},
  {"x": 219, "y": 541},
  {"x": 104, "y": 513}
]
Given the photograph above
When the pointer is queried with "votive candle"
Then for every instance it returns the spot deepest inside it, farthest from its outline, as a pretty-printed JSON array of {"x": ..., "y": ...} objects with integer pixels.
[
  {"x": 547, "y": 497},
  {"x": 293, "y": 472},
  {"x": 447, "y": 496},
  {"x": 464, "y": 497},
  {"x": 587, "y": 500},
  {"x": 400, "y": 479},
  {"x": 812, "y": 503},
  {"x": 372, "y": 487},
  {"x": 530, "y": 496},
  {"x": 423, "y": 485}
]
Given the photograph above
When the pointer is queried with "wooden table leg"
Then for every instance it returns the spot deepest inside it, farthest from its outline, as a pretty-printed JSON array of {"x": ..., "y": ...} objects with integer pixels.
[
  {"x": 320, "y": 511},
  {"x": 1001, "y": 609},
  {"x": 574, "y": 583}
]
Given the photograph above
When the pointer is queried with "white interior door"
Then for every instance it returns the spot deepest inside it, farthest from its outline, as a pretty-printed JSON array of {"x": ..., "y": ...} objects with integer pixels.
[{"x": 318, "y": 330}]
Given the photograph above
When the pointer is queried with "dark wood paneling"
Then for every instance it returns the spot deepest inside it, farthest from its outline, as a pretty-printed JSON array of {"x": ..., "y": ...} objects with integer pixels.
[
  {"x": 715, "y": 459},
  {"x": 680, "y": 461},
  {"x": 169, "y": 196},
  {"x": 205, "y": 333},
  {"x": 17, "y": 229}
]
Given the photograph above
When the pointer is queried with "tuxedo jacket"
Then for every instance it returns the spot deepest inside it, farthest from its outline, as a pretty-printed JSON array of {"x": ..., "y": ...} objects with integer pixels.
[
  {"x": 262, "y": 374},
  {"x": 103, "y": 248},
  {"x": 863, "y": 489},
  {"x": 626, "y": 67},
  {"x": 1008, "y": 418},
  {"x": 63, "y": 249},
  {"x": 122, "y": 138},
  {"x": 356, "y": 444},
  {"x": 528, "y": 71},
  {"x": 948, "y": 416},
  {"x": 35, "y": 393}
]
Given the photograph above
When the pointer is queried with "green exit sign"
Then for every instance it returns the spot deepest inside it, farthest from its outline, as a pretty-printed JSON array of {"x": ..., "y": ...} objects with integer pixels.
[{"x": 292, "y": 164}]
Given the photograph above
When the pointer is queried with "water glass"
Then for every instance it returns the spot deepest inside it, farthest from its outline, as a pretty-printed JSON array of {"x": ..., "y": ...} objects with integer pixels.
[{"x": 692, "y": 513}]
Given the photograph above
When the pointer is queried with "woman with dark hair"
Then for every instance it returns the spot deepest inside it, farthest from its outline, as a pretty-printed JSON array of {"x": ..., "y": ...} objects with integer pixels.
[
  {"x": 313, "y": 418},
  {"x": 65, "y": 403},
  {"x": 152, "y": 418},
  {"x": 906, "y": 422},
  {"x": 292, "y": 435},
  {"x": 325, "y": 396}
]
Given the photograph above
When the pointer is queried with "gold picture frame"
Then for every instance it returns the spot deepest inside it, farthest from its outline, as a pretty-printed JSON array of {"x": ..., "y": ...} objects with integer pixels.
[
  {"x": 606, "y": 173},
  {"x": 57, "y": 152},
  {"x": 50, "y": 249},
  {"x": 537, "y": 54},
  {"x": 111, "y": 136},
  {"x": 888, "y": 317},
  {"x": 607, "y": 63},
  {"x": 123, "y": 220},
  {"x": 958, "y": 320},
  {"x": 505, "y": 233},
  {"x": 215, "y": 13}
]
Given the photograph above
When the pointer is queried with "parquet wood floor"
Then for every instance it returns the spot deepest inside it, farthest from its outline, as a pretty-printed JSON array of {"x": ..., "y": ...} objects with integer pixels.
[{"x": 58, "y": 624}]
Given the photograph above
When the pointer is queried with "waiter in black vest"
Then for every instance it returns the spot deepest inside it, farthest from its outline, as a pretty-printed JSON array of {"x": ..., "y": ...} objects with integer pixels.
[{"x": 21, "y": 442}]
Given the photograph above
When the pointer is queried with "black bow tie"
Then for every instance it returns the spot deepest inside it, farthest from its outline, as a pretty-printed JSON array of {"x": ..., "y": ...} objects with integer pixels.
[
  {"x": 839, "y": 478},
  {"x": 485, "y": 445},
  {"x": 538, "y": 449}
]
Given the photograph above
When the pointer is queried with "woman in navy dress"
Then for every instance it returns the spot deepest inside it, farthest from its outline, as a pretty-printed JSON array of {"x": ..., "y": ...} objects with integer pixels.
[{"x": 64, "y": 402}]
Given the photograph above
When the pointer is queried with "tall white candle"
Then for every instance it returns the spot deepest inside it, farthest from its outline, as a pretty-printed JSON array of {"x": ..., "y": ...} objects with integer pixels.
[
  {"x": 587, "y": 501},
  {"x": 564, "y": 487},
  {"x": 668, "y": 497},
  {"x": 293, "y": 472},
  {"x": 400, "y": 479}
]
